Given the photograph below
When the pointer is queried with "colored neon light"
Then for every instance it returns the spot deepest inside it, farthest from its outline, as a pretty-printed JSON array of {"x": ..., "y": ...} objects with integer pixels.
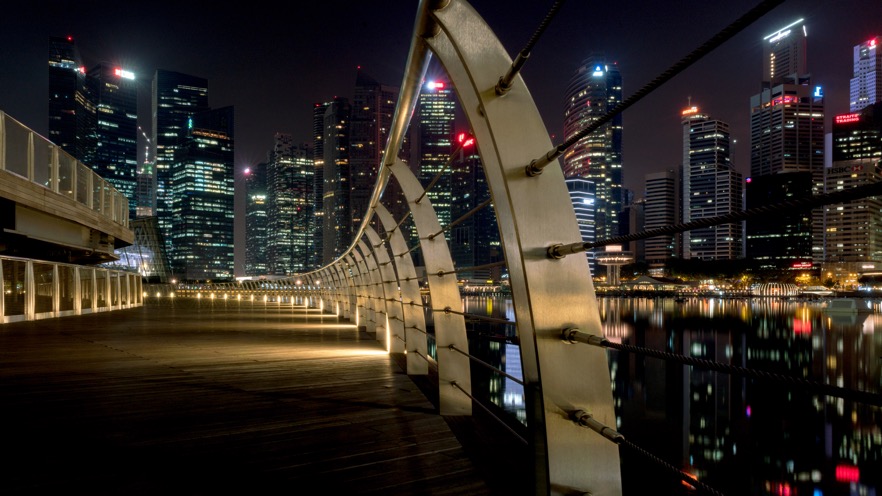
[{"x": 847, "y": 118}]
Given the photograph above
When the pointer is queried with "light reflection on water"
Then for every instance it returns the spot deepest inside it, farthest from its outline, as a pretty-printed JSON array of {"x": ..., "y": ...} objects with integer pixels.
[{"x": 741, "y": 436}]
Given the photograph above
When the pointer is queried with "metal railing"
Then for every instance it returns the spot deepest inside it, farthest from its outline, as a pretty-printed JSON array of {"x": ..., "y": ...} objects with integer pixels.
[
  {"x": 34, "y": 289},
  {"x": 33, "y": 157}
]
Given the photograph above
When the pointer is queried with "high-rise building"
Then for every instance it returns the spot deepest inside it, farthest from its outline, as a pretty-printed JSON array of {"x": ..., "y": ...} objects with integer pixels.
[
  {"x": 434, "y": 118},
  {"x": 112, "y": 150},
  {"x": 289, "y": 213},
  {"x": 176, "y": 98},
  {"x": 784, "y": 53},
  {"x": 787, "y": 137},
  {"x": 318, "y": 184},
  {"x": 202, "y": 194},
  {"x": 67, "y": 99},
  {"x": 594, "y": 90},
  {"x": 372, "y": 107},
  {"x": 866, "y": 85},
  {"x": 660, "y": 210},
  {"x": 853, "y": 230},
  {"x": 475, "y": 241},
  {"x": 337, "y": 231},
  {"x": 256, "y": 220},
  {"x": 583, "y": 198},
  {"x": 711, "y": 187}
]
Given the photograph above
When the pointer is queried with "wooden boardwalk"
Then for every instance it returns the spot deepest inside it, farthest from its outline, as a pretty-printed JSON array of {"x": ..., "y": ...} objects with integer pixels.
[{"x": 222, "y": 399}]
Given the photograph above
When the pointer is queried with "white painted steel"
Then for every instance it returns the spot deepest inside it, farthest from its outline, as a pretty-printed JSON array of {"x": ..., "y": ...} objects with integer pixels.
[
  {"x": 391, "y": 300},
  {"x": 548, "y": 295},
  {"x": 414, "y": 318},
  {"x": 443, "y": 294}
]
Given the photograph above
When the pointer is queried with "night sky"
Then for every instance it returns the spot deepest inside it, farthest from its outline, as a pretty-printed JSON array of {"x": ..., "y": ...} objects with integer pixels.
[{"x": 273, "y": 63}]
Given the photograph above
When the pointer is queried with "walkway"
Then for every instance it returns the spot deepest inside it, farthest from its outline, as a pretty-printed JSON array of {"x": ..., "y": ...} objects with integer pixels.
[{"x": 187, "y": 399}]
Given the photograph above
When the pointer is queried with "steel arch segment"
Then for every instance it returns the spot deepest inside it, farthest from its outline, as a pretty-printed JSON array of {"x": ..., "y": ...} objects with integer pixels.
[
  {"x": 358, "y": 295},
  {"x": 391, "y": 299},
  {"x": 533, "y": 213},
  {"x": 367, "y": 317},
  {"x": 453, "y": 367},
  {"x": 350, "y": 302},
  {"x": 415, "y": 337},
  {"x": 375, "y": 289}
]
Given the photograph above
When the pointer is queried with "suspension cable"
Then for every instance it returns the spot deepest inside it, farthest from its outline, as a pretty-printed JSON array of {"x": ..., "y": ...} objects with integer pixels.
[
  {"x": 517, "y": 64},
  {"x": 501, "y": 263},
  {"x": 576, "y": 336},
  {"x": 585, "y": 419},
  {"x": 788, "y": 206},
  {"x": 472, "y": 315},
  {"x": 440, "y": 173},
  {"x": 492, "y": 415},
  {"x": 485, "y": 364},
  {"x": 462, "y": 219},
  {"x": 535, "y": 167}
]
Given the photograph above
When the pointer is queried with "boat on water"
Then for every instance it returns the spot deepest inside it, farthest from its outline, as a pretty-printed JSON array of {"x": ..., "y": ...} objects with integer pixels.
[{"x": 848, "y": 306}]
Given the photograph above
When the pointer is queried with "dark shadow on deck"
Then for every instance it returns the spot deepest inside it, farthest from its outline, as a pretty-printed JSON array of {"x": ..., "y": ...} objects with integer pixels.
[{"x": 223, "y": 398}]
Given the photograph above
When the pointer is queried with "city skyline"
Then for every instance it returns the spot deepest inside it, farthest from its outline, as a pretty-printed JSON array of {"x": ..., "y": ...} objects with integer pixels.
[{"x": 268, "y": 73}]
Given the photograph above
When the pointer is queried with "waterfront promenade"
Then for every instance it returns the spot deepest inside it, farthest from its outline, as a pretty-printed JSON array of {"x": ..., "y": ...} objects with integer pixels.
[{"x": 221, "y": 398}]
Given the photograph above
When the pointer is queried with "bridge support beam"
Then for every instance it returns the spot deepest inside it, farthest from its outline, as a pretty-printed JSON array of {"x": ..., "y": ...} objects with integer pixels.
[{"x": 534, "y": 213}]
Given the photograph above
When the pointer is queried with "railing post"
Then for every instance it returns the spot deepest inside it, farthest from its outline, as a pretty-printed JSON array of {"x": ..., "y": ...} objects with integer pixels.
[
  {"x": 391, "y": 301},
  {"x": 411, "y": 301}
]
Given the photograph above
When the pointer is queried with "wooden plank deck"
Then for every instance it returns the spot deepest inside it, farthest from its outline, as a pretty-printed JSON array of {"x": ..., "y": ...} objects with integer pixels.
[{"x": 187, "y": 399}]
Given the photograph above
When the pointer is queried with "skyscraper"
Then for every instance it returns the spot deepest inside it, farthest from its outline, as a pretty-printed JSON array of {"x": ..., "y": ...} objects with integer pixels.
[
  {"x": 337, "y": 231},
  {"x": 594, "y": 90},
  {"x": 202, "y": 198},
  {"x": 853, "y": 230},
  {"x": 434, "y": 118},
  {"x": 474, "y": 241},
  {"x": 583, "y": 198},
  {"x": 318, "y": 184},
  {"x": 660, "y": 210},
  {"x": 866, "y": 85},
  {"x": 256, "y": 220},
  {"x": 289, "y": 213},
  {"x": 176, "y": 98},
  {"x": 711, "y": 187},
  {"x": 67, "y": 104},
  {"x": 112, "y": 150},
  {"x": 787, "y": 137},
  {"x": 372, "y": 108}
]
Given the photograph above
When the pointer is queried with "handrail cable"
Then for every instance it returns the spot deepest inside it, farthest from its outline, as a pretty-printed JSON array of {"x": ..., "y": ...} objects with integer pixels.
[
  {"x": 576, "y": 336},
  {"x": 464, "y": 217},
  {"x": 485, "y": 364},
  {"x": 501, "y": 263},
  {"x": 504, "y": 84},
  {"x": 475, "y": 316},
  {"x": 585, "y": 419},
  {"x": 492, "y": 415},
  {"x": 787, "y": 206},
  {"x": 440, "y": 173},
  {"x": 536, "y": 165}
]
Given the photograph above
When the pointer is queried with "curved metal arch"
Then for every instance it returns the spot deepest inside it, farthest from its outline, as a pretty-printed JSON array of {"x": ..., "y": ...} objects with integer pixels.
[
  {"x": 416, "y": 340},
  {"x": 548, "y": 295},
  {"x": 388, "y": 282}
]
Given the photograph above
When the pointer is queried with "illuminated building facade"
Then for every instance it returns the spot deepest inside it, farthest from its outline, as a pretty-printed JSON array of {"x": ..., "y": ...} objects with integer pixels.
[
  {"x": 289, "y": 213},
  {"x": 435, "y": 113},
  {"x": 176, "y": 98},
  {"x": 711, "y": 187},
  {"x": 866, "y": 85},
  {"x": 474, "y": 241},
  {"x": 112, "y": 148},
  {"x": 594, "y": 90},
  {"x": 583, "y": 197},
  {"x": 318, "y": 183},
  {"x": 68, "y": 108},
  {"x": 372, "y": 107},
  {"x": 853, "y": 230},
  {"x": 787, "y": 137},
  {"x": 256, "y": 220},
  {"x": 337, "y": 223},
  {"x": 202, "y": 192},
  {"x": 660, "y": 209}
]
